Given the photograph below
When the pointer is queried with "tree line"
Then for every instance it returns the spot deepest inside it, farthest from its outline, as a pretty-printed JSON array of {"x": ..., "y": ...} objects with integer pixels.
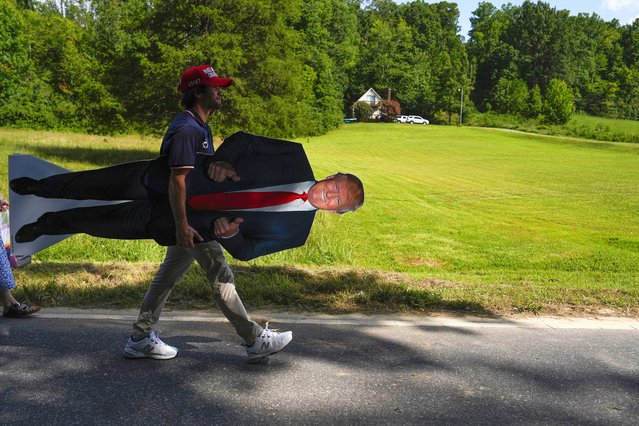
[
  {"x": 109, "y": 66},
  {"x": 522, "y": 52}
]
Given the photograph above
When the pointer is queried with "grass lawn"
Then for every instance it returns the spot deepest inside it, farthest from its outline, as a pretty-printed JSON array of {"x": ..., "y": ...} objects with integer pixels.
[
  {"x": 470, "y": 219},
  {"x": 579, "y": 126},
  {"x": 628, "y": 126}
]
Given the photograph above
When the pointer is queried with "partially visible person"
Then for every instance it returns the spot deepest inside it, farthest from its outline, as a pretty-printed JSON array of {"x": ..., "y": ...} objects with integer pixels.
[{"x": 11, "y": 308}]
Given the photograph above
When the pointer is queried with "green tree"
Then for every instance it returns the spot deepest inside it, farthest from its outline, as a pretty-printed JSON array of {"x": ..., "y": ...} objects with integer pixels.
[
  {"x": 600, "y": 97},
  {"x": 416, "y": 88},
  {"x": 559, "y": 104},
  {"x": 511, "y": 96},
  {"x": 62, "y": 48},
  {"x": 492, "y": 57},
  {"x": 537, "y": 43},
  {"x": 538, "y": 33},
  {"x": 25, "y": 100},
  {"x": 362, "y": 111},
  {"x": 13, "y": 49},
  {"x": 628, "y": 92},
  {"x": 329, "y": 51},
  {"x": 385, "y": 48},
  {"x": 535, "y": 102},
  {"x": 256, "y": 42},
  {"x": 630, "y": 43},
  {"x": 451, "y": 81},
  {"x": 438, "y": 64},
  {"x": 585, "y": 61}
]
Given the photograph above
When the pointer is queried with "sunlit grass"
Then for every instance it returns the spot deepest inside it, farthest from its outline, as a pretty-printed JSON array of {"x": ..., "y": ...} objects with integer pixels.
[
  {"x": 454, "y": 218},
  {"x": 579, "y": 126},
  {"x": 629, "y": 126}
]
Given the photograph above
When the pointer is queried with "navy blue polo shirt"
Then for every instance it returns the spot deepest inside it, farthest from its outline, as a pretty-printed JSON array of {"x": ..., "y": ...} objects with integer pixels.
[
  {"x": 186, "y": 137},
  {"x": 187, "y": 143}
]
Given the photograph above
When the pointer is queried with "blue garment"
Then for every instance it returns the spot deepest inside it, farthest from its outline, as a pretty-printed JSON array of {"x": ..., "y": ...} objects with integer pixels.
[
  {"x": 260, "y": 162},
  {"x": 188, "y": 143},
  {"x": 186, "y": 137},
  {"x": 7, "y": 282}
]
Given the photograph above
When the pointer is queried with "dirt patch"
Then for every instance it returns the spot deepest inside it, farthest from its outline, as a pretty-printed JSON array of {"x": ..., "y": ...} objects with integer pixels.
[{"x": 418, "y": 261}]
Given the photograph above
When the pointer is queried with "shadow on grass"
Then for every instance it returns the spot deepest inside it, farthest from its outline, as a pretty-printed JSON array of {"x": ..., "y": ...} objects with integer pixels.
[
  {"x": 99, "y": 156},
  {"x": 84, "y": 285},
  {"x": 123, "y": 285},
  {"x": 342, "y": 291}
]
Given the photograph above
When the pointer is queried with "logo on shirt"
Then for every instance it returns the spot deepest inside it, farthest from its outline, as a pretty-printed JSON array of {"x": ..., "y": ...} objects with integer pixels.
[{"x": 205, "y": 144}]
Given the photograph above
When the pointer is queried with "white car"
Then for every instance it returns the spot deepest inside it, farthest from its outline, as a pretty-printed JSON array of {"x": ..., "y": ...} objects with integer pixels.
[
  {"x": 401, "y": 119},
  {"x": 416, "y": 119}
]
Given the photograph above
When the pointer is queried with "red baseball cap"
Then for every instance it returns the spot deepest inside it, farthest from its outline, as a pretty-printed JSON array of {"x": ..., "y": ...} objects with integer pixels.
[{"x": 202, "y": 75}]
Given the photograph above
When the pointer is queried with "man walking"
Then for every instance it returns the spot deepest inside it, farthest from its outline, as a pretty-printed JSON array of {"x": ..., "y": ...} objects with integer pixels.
[{"x": 187, "y": 136}]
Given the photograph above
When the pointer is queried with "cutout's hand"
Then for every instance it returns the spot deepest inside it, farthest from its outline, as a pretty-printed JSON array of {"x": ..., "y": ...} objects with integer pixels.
[
  {"x": 223, "y": 228},
  {"x": 220, "y": 171}
]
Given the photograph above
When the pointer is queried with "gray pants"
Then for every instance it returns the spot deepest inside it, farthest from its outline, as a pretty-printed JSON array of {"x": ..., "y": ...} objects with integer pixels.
[{"x": 210, "y": 257}]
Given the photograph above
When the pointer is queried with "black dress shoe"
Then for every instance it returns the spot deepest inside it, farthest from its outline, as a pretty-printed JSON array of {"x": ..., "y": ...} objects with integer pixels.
[
  {"x": 25, "y": 186},
  {"x": 29, "y": 232}
]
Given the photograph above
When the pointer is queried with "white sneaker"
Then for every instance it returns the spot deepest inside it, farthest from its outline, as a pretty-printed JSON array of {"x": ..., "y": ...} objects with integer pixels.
[
  {"x": 149, "y": 347},
  {"x": 268, "y": 343}
]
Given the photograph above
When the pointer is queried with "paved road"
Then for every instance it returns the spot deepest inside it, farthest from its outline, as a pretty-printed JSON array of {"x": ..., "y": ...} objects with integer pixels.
[{"x": 65, "y": 367}]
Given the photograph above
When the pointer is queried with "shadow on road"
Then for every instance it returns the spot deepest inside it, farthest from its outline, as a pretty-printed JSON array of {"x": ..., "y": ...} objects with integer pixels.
[{"x": 57, "y": 371}]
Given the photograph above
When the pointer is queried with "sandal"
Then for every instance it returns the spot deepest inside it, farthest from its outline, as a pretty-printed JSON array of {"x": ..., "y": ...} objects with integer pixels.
[{"x": 20, "y": 310}]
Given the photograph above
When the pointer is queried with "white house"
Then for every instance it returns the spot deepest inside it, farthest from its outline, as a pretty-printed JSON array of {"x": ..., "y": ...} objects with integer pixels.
[{"x": 372, "y": 98}]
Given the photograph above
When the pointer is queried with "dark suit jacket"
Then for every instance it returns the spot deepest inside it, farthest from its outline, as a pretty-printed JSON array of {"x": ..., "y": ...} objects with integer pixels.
[{"x": 260, "y": 162}]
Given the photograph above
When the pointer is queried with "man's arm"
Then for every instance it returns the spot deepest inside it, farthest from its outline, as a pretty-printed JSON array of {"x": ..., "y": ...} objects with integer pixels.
[{"x": 185, "y": 235}]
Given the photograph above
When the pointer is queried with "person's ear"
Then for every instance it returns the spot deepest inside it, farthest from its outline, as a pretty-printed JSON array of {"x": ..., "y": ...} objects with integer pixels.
[{"x": 201, "y": 90}]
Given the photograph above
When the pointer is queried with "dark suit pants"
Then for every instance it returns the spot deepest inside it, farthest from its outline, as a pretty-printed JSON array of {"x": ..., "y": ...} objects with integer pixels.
[
  {"x": 120, "y": 182},
  {"x": 128, "y": 220}
]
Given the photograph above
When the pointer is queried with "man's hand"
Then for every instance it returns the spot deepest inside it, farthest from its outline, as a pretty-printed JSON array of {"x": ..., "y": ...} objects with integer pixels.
[
  {"x": 187, "y": 236},
  {"x": 220, "y": 171},
  {"x": 3, "y": 204},
  {"x": 223, "y": 228}
]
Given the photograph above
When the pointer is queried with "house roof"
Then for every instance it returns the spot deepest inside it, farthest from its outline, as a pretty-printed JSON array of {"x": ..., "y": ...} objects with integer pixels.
[{"x": 369, "y": 92}]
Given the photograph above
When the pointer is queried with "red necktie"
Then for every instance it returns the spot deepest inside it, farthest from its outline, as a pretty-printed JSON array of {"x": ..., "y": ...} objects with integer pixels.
[{"x": 243, "y": 200}]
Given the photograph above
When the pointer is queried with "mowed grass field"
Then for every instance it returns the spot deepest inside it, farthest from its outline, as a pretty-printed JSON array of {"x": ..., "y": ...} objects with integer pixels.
[
  {"x": 629, "y": 127},
  {"x": 466, "y": 219},
  {"x": 579, "y": 126}
]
